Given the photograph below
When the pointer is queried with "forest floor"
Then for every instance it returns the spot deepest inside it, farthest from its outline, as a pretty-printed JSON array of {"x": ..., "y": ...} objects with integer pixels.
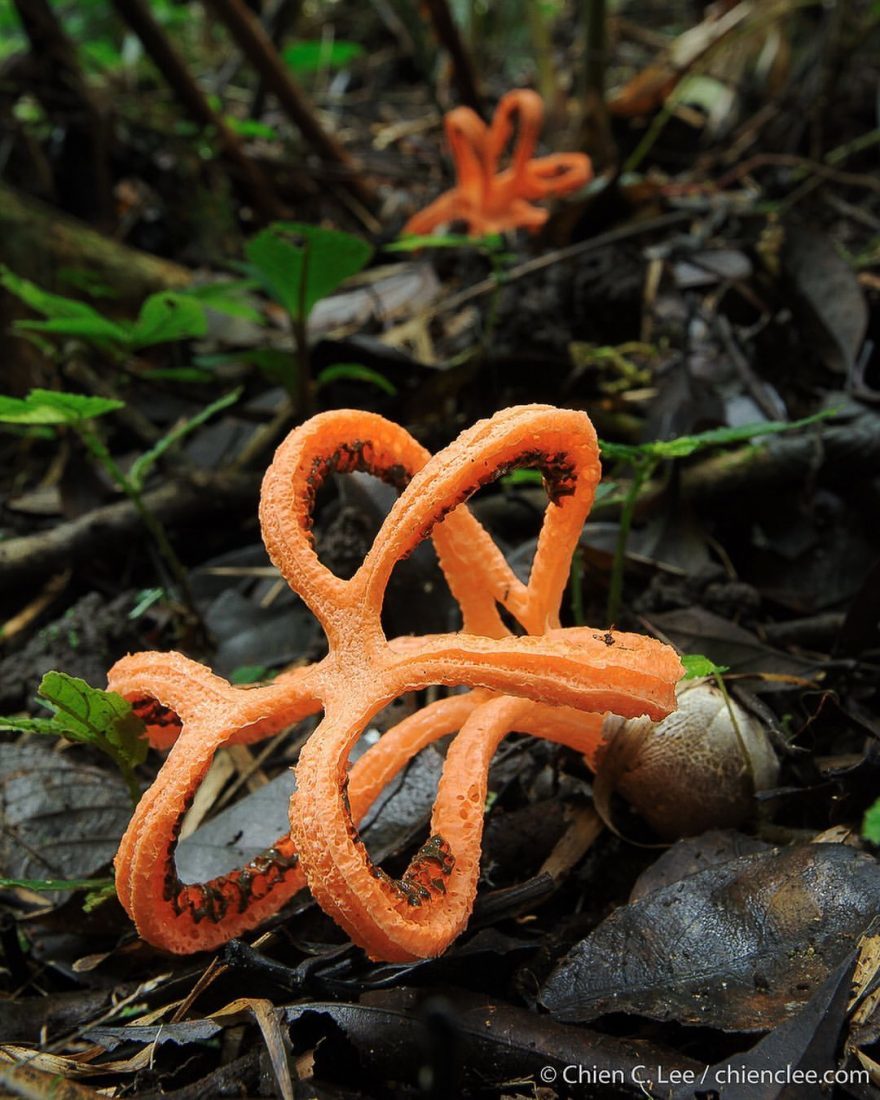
[{"x": 709, "y": 299}]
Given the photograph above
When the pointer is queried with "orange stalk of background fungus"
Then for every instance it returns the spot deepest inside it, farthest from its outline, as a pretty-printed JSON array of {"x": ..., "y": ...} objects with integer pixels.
[
  {"x": 492, "y": 201},
  {"x": 554, "y": 683}
]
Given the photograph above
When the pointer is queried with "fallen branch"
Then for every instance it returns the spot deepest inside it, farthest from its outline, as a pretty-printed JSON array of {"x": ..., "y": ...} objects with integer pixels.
[
  {"x": 107, "y": 532},
  {"x": 37, "y": 242}
]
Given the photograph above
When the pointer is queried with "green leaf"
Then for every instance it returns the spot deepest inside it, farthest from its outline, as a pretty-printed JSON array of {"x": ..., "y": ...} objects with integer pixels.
[
  {"x": 142, "y": 465},
  {"x": 696, "y": 665},
  {"x": 491, "y": 242},
  {"x": 95, "y": 328},
  {"x": 97, "y": 895},
  {"x": 524, "y": 476},
  {"x": 146, "y": 598},
  {"x": 685, "y": 445},
  {"x": 168, "y": 316},
  {"x": 50, "y": 305},
  {"x": 51, "y": 407},
  {"x": 309, "y": 57},
  {"x": 250, "y": 128},
  {"x": 229, "y": 298},
  {"x": 299, "y": 264},
  {"x": 871, "y": 823},
  {"x": 44, "y": 885},
  {"x": 91, "y": 716},
  {"x": 355, "y": 372},
  {"x": 249, "y": 674}
]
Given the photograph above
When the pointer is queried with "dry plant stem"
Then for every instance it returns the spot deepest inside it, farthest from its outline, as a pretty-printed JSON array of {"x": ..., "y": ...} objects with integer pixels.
[
  {"x": 255, "y": 43},
  {"x": 533, "y": 684},
  {"x": 111, "y": 528},
  {"x": 450, "y": 39},
  {"x": 37, "y": 241},
  {"x": 137, "y": 15}
]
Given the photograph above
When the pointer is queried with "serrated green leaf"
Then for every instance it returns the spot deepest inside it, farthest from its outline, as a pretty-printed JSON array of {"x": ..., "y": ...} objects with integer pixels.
[
  {"x": 355, "y": 372},
  {"x": 54, "y": 407},
  {"x": 98, "y": 718},
  {"x": 308, "y": 57},
  {"x": 696, "y": 665},
  {"x": 168, "y": 316},
  {"x": 871, "y": 823},
  {"x": 300, "y": 264}
]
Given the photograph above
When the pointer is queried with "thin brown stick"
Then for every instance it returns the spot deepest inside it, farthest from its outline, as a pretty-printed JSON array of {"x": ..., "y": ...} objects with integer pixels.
[
  {"x": 450, "y": 39},
  {"x": 257, "y": 46},
  {"x": 137, "y": 15}
]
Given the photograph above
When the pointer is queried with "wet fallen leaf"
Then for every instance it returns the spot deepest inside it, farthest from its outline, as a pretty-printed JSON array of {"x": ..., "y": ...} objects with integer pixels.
[
  {"x": 806, "y": 1043},
  {"x": 61, "y": 817},
  {"x": 828, "y": 297},
  {"x": 692, "y": 855},
  {"x": 740, "y": 946},
  {"x": 695, "y": 630}
]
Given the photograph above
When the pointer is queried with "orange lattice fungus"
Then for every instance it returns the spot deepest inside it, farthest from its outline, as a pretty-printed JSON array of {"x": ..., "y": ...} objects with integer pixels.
[
  {"x": 554, "y": 683},
  {"x": 489, "y": 200}
]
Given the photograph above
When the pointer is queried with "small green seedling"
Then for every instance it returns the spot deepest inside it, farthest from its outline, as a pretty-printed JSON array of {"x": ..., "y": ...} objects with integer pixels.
[
  {"x": 645, "y": 458},
  {"x": 298, "y": 265},
  {"x": 93, "y": 717},
  {"x": 164, "y": 318}
]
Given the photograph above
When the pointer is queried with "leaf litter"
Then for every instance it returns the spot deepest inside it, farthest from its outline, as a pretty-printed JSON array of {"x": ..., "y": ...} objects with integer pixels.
[{"x": 752, "y": 303}]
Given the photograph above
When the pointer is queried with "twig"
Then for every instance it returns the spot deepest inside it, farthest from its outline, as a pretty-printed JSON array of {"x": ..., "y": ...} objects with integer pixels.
[
  {"x": 255, "y": 43},
  {"x": 559, "y": 255},
  {"x": 450, "y": 39},
  {"x": 113, "y": 528},
  {"x": 755, "y": 386},
  {"x": 137, "y": 15},
  {"x": 806, "y": 166}
]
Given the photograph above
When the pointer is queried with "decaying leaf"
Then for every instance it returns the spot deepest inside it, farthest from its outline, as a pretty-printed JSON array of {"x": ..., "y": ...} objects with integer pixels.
[
  {"x": 740, "y": 946},
  {"x": 61, "y": 818},
  {"x": 828, "y": 298}
]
